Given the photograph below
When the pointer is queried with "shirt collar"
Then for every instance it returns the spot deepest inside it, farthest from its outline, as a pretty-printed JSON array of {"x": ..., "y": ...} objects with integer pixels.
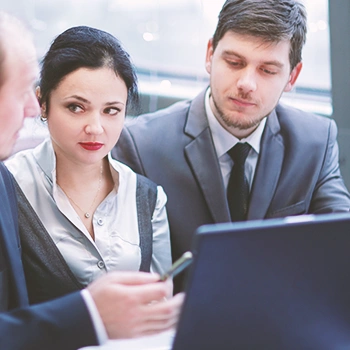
[
  {"x": 46, "y": 158},
  {"x": 223, "y": 140}
]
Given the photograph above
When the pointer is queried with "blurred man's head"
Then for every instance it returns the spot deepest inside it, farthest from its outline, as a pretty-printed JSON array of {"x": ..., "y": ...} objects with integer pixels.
[{"x": 18, "y": 73}]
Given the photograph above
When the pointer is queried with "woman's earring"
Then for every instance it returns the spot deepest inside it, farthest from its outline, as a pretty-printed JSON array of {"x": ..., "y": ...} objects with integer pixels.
[{"x": 43, "y": 116}]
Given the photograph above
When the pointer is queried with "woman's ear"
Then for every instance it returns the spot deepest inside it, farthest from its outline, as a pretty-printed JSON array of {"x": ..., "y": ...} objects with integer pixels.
[
  {"x": 38, "y": 93},
  {"x": 43, "y": 115}
]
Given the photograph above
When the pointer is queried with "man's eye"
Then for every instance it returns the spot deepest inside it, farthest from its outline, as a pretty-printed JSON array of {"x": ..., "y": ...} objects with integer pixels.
[
  {"x": 234, "y": 63},
  {"x": 267, "y": 71}
]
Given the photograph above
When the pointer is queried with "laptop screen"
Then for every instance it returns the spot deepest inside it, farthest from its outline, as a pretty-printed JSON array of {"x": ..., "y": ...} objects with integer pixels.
[{"x": 272, "y": 284}]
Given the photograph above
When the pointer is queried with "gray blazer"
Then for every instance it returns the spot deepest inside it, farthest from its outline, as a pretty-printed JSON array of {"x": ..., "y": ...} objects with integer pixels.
[{"x": 297, "y": 170}]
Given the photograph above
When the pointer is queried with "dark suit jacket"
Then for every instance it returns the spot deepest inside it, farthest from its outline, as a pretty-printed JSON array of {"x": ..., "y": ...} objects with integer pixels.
[
  {"x": 61, "y": 324},
  {"x": 297, "y": 171}
]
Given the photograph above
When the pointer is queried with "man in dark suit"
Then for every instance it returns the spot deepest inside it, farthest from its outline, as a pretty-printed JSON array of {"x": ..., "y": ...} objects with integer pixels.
[
  {"x": 119, "y": 305},
  {"x": 292, "y": 165}
]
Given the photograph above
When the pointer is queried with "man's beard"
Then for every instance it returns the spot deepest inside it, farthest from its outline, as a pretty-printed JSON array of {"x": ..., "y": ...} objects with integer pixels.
[{"x": 237, "y": 123}]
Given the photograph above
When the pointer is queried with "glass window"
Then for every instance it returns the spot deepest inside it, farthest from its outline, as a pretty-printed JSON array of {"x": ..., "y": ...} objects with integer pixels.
[
  {"x": 313, "y": 88},
  {"x": 167, "y": 41}
]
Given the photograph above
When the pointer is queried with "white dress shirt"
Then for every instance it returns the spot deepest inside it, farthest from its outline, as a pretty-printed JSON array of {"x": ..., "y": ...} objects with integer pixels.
[{"x": 224, "y": 141}]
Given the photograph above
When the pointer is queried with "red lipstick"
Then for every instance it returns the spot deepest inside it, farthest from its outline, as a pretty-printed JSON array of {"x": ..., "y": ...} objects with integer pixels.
[{"x": 91, "y": 146}]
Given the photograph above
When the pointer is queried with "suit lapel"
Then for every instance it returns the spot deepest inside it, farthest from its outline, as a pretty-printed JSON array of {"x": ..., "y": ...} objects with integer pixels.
[
  {"x": 10, "y": 241},
  {"x": 202, "y": 159},
  {"x": 268, "y": 169}
]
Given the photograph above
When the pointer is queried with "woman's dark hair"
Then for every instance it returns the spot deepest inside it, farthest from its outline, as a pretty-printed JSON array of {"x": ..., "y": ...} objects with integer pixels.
[
  {"x": 86, "y": 47},
  {"x": 270, "y": 20}
]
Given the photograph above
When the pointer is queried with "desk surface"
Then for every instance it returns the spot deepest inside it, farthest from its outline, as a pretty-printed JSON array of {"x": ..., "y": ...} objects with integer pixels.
[{"x": 162, "y": 341}]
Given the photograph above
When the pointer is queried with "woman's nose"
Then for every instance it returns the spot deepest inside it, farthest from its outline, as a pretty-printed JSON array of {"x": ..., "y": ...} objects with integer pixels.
[{"x": 94, "y": 125}]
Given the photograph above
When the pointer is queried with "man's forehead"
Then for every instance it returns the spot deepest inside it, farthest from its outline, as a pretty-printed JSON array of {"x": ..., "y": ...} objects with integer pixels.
[
  {"x": 14, "y": 35},
  {"x": 20, "y": 71},
  {"x": 19, "y": 49}
]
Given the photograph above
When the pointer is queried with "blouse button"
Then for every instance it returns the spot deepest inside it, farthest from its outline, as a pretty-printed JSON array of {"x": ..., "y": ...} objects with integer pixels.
[
  {"x": 101, "y": 264},
  {"x": 100, "y": 222}
]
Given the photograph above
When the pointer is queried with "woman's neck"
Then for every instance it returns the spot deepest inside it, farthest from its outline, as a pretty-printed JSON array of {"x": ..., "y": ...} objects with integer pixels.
[
  {"x": 86, "y": 186},
  {"x": 79, "y": 176}
]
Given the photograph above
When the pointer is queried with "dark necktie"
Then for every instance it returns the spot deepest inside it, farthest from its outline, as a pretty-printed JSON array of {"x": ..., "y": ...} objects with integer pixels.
[{"x": 238, "y": 187}]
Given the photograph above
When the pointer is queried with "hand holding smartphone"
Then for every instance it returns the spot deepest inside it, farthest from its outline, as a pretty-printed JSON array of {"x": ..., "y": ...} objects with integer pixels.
[{"x": 178, "y": 266}]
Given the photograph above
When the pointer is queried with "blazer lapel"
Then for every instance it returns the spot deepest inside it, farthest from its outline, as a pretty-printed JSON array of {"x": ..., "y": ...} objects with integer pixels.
[
  {"x": 10, "y": 241},
  {"x": 202, "y": 159},
  {"x": 268, "y": 169}
]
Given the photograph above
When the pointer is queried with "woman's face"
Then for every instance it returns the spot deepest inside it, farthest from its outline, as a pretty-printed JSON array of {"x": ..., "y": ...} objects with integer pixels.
[{"x": 86, "y": 114}]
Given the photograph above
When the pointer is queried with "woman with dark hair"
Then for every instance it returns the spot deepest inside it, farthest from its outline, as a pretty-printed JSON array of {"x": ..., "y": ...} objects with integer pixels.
[{"x": 83, "y": 213}]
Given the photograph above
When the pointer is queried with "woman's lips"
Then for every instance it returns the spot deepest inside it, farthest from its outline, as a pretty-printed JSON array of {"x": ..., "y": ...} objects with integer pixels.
[{"x": 91, "y": 146}]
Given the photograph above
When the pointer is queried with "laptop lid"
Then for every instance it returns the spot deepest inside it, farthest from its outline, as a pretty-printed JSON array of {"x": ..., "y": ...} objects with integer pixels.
[{"x": 271, "y": 284}]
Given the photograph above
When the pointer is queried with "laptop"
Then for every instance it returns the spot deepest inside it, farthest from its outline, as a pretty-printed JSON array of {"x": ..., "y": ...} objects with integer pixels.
[{"x": 272, "y": 284}]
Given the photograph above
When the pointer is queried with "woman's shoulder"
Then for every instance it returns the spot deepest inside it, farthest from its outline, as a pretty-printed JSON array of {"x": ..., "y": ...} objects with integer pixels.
[
  {"x": 18, "y": 159},
  {"x": 23, "y": 162}
]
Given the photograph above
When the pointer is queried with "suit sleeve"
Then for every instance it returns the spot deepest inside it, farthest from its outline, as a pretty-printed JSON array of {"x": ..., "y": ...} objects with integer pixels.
[
  {"x": 60, "y": 324},
  {"x": 126, "y": 152},
  {"x": 330, "y": 194}
]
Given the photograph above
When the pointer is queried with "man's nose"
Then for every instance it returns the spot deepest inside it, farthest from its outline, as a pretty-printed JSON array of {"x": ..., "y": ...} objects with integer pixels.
[{"x": 247, "y": 80}]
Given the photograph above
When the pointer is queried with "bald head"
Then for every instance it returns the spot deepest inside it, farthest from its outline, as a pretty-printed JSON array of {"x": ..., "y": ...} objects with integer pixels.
[
  {"x": 18, "y": 73},
  {"x": 12, "y": 30}
]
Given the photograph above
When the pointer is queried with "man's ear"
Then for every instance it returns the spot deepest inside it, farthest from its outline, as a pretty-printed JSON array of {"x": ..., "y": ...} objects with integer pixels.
[
  {"x": 209, "y": 55},
  {"x": 293, "y": 77}
]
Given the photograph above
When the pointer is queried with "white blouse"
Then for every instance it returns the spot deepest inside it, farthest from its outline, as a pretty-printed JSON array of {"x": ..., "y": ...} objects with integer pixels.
[{"x": 115, "y": 223}]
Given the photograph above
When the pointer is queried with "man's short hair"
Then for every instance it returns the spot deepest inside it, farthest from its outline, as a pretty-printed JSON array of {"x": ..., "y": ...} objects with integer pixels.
[{"x": 270, "y": 20}]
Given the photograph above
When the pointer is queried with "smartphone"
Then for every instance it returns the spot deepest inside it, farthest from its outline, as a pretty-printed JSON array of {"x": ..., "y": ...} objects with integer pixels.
[{"x": 179, "y": 265}]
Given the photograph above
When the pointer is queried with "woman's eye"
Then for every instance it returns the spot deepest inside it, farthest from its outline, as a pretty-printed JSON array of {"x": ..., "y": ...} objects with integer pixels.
[
  {"x": 74, "y": 108},
  {"x": 112, "y": 111}
]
